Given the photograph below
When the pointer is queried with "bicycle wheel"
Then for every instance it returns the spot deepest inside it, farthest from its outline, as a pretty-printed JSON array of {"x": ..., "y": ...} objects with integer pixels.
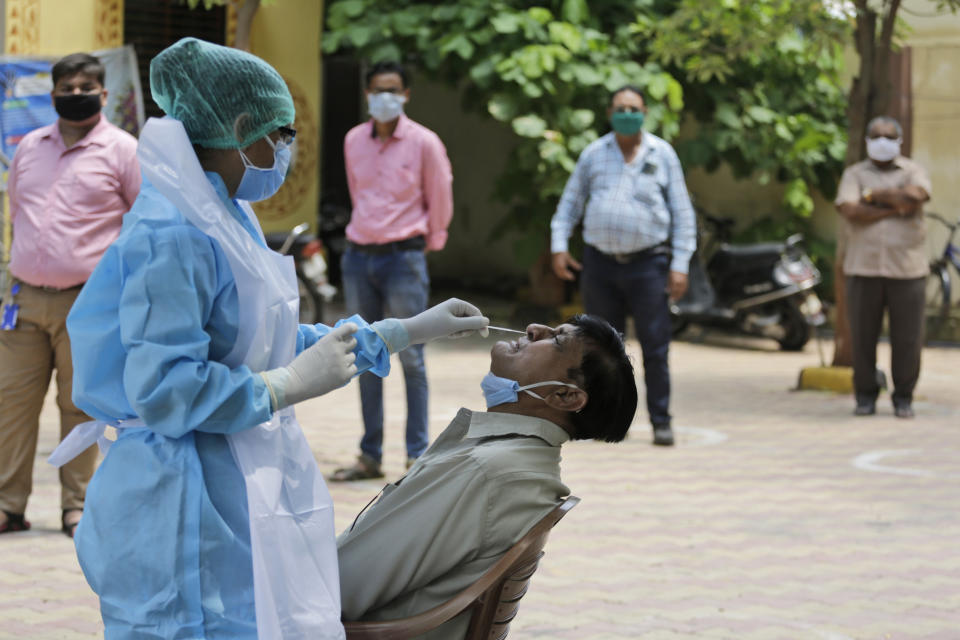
[{"x": 938, "y": 292}]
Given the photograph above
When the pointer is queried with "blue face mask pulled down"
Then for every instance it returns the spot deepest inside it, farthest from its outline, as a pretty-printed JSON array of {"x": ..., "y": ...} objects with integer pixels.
[
  {"x": 258, "y": 183},
  {"x": 497, "y": 390}
]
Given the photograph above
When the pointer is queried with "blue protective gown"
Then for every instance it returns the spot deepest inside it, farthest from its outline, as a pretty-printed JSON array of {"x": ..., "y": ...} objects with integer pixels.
[{"x": 165, "y": 538}]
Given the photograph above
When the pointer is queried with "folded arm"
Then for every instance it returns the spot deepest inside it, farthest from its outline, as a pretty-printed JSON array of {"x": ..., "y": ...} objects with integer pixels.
[{"x": 906, "y": 201}]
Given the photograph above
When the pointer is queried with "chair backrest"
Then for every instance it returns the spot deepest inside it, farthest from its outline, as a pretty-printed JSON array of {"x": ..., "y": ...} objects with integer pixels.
[{"x": 494, "y": 599}]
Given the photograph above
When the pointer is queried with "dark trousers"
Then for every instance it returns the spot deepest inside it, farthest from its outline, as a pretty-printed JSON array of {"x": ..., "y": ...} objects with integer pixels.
[
  {"x": 867, "y": 298},
  {"x": 611, "y": 290},
  {"x": 394, "y": 285}
]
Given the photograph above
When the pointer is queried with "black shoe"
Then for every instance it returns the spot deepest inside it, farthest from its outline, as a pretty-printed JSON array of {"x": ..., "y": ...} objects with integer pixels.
[
  {"x": 865, "y": 408},
  {"x": 662, "y": 435},
  {"x": 903, "y": 410}
]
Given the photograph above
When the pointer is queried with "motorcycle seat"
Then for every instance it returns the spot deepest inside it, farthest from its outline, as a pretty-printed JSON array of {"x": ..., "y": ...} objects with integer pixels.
[
  {"x": 752, "y": 250},
  {"x": 276, "y": 239}
]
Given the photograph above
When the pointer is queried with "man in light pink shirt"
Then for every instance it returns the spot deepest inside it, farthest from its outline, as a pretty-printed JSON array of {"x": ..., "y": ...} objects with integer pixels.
[
  {"x": 400, "y": 182},
  {"x": 70, "y": 184}
]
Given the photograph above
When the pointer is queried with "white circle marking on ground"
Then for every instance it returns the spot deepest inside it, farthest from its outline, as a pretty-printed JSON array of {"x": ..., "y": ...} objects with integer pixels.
[
  {"x": 703, "y": 437},
  {"x": 870, "y": 461}
]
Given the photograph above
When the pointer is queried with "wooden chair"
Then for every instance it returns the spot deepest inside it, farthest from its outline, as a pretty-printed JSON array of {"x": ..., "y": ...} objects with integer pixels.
[{"x": 493, "y": 599}]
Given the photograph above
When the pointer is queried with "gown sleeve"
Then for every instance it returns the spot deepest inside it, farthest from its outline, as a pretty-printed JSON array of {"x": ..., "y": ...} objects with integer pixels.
[
  {"x": 373, "y": 353},
  {"x": 170, "y": 288}
]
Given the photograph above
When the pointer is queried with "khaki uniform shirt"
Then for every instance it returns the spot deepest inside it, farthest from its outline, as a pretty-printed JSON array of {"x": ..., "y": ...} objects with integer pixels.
[
  {"x": 893, "y": 247},
  {"x": 486, "y": 480}
]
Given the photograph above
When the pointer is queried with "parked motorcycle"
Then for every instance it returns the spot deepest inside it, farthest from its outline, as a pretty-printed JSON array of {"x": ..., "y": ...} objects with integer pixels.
[
  {"x": 307, "y": 252},
  {"x": 763, "y": 289}
]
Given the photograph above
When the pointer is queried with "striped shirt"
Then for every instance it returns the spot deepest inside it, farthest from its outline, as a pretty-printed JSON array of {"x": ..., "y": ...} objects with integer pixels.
[{"x": 628, "y": 207}]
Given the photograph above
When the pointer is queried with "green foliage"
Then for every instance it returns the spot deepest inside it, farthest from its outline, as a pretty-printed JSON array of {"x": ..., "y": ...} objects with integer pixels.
[
  {"x": 759, "y": 79},
  {"x": 762, "y": 81}
]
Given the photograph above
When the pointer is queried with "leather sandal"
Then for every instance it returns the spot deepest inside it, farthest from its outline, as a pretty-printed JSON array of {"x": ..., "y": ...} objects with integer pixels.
[
  {"x": 365, "y": 468},
  {"x": 15, "y": 522},
  {"x": 69, "y": 528}
]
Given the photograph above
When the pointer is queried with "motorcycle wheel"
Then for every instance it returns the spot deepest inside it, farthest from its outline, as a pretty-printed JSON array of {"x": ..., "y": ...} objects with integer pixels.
[
  {"x": 795, "y": 327},
  {"x": 311, "y": 304}
]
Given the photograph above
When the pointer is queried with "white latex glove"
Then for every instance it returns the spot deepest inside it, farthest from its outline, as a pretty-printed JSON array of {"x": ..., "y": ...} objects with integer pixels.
[
  {"x": 451, "y": 319},
  {"x": 325, "y": 366}
]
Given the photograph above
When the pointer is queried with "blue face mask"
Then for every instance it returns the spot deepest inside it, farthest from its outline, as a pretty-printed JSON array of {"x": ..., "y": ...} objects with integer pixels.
[
  {"x": 497, "y": 390},
  {"x": 259, "y": 183}
]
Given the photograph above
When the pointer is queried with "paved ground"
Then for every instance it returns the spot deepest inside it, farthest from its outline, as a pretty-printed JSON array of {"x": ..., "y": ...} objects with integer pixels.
[{"x": 779, "y": 515}]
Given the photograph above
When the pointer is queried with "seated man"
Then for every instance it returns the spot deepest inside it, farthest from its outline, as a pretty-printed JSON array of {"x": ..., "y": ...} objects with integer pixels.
[{"x": 489, "y": 477}]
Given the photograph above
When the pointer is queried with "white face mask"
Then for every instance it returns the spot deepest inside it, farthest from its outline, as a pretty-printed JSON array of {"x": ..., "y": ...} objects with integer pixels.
[
  {"x": 385, "y": 106},
  {"x": 883, "y": 149}
]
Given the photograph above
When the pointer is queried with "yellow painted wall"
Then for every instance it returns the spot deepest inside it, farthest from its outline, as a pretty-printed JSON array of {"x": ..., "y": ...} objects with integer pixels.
[
  {"x": 59, "y": 27},
  {"x": 66, "y": 26},
  {"x": 935, "y": 49},
  {"x": 287, "y": 35}
]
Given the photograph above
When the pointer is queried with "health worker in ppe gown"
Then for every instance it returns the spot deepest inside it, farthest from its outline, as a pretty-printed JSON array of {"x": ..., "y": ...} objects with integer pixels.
[{"x": 208, "y": 517}]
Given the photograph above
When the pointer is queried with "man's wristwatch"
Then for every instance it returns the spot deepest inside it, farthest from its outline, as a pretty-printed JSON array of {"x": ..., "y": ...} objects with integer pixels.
[{"x": 868, "y": 196}]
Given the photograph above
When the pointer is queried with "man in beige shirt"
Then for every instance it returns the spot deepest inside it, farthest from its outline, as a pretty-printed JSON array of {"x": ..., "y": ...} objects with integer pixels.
[
  {"x": 881, "y": 201},
  {"x": 489, "y": 476}
]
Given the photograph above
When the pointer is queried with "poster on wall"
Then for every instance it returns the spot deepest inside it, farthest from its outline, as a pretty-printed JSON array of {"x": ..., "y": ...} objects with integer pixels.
[
  {"x": 26, "y": 102},
  {"x": 26, "y": 84},
  {"x": 124, "y": 97}
]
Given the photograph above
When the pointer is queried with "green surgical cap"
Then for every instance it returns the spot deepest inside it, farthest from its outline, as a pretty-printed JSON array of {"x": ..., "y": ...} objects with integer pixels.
[{"x": 225, "y": 98}]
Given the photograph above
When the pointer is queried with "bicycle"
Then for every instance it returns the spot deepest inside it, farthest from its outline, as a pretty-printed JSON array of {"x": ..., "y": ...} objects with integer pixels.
[{"x": 939, "y": 282}]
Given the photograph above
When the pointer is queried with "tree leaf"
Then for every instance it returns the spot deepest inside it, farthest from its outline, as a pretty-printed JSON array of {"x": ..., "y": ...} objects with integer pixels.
[
  {"x": 783, "y": 132},
  {"x": 541, "y": 15},
  {"x": 459, "y": 43},
  {"x": 483, "y": 73},
  {"x": 581, "y": 119},
  {"x": 761, "y": 114},
  {"x": 797, "y": 197},
  {"x": 505, "y": 22},
  {"x": 586, "y": 75},
  {"x": 532, "y": 89},
  {"x": 726, "y": 114},
  {"x": 566, "y": 34},
  {"x": 405, "y": 23},
  {"x": 575, "y": 11},
  {"x": 674, "y": 95},
  {"x": 351, "y": 8},
  {"x": 385, "y": 51},
  {"x": 359, "y": 34},
  {"x": 658, "y": 86},
  {"x": 529, "y": 126},
  {"x": 530, "y": 61},
  {"x": 503, "y": 107}
]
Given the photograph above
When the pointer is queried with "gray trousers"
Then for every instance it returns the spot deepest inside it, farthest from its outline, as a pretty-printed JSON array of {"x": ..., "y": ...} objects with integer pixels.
[{"x": 904, "y": 300}]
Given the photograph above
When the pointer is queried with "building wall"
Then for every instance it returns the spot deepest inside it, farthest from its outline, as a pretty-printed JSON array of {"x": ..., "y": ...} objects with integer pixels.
[
  {"x": 59, "y": 27},
  {"x": 287, "y": 35},
  {"x": 478, "y": 147},
  {"x": 934, "y": 40}
]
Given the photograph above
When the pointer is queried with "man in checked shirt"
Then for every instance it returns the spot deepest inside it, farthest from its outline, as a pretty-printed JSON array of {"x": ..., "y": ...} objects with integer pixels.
[{"x": 639, "y": 233}]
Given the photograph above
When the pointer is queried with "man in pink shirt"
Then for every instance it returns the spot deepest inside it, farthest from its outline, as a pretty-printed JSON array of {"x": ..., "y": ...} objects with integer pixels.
[
  {"x": 70, "y": 184},
  {"x": 400, "y": 182}
]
